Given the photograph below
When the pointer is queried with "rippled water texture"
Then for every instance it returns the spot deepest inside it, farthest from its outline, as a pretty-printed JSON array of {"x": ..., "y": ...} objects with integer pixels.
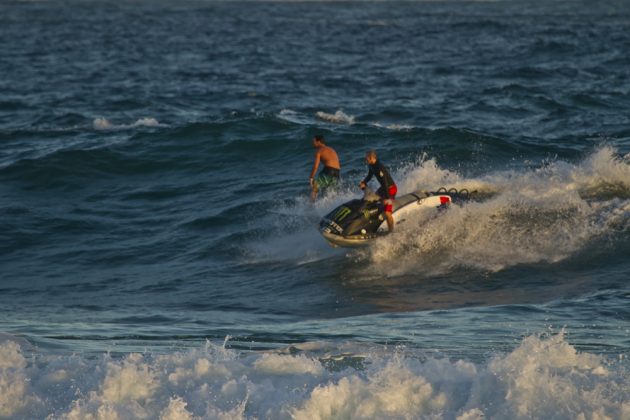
[{"x": 159, "y": 256}]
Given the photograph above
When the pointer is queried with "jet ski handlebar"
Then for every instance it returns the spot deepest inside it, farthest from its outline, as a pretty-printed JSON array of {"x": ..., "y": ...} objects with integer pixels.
[{"x": 369, "y": 195}]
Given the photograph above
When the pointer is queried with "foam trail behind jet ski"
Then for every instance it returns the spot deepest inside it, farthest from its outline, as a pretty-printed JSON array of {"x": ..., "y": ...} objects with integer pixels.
[{"x": 544, "y": 215}]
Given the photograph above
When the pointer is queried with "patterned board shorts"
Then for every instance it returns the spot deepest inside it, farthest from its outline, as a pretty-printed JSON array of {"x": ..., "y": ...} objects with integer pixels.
[
  {"x": 328, "y": 177},
  {"x": 324, "y": 181}
]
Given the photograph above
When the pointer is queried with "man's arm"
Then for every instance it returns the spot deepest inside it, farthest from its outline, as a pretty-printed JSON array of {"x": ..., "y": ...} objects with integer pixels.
[
  {"x": 369, "y": 175},
  {"x": 363, "y": 183},
  {"x": 315, "y": 165},
  {"x": 388, "y": 181}
]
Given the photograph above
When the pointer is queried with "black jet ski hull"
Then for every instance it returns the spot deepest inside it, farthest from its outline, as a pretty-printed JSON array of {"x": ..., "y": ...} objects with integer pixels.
[
  {"x": 351, "y": 241},
  {"x": 360, "y": 222}
]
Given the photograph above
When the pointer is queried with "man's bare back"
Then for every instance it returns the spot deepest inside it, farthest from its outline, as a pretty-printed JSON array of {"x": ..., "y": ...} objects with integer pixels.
[
  {"x": 328, "y": 157},
  {"x": 330, "y": 174}
]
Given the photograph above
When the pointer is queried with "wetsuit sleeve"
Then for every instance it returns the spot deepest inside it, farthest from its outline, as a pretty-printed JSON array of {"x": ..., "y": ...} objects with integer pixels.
[
  {"x": 369, "y": 175},
  {"x": 384, "y": 178},
  {"x": 387, "y": 180}
]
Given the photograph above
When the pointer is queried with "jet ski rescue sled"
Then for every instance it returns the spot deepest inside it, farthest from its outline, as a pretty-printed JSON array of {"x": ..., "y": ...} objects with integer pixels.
[{"x": 358, "y": 222}]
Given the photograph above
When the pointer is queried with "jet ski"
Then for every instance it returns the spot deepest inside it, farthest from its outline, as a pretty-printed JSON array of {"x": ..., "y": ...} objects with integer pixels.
[{"x": 360, "y": 221}]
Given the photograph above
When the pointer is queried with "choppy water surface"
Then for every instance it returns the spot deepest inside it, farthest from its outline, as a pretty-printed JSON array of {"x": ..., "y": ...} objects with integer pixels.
[{"x": 159, "y": 256}]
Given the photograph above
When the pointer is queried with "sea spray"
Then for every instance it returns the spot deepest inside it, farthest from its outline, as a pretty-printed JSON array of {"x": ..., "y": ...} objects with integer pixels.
[
  {"x": 543, "y": 376},
  {"x": 547, "y": 214}
]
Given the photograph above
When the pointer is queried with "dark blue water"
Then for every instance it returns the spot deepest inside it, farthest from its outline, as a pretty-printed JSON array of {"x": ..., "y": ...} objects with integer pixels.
[{"x": 159, "y": 256}]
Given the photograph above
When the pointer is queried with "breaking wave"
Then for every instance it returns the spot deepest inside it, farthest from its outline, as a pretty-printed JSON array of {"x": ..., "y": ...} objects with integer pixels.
[
  {"x": 543, "y": 377},
  {"x": 338, "y": 117},
  {"x": 547, "y": 214},
  {"x": 105, "y": 124}
]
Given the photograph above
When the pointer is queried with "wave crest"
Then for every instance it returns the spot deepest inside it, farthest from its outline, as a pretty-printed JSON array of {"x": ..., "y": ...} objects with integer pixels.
[
  {"x": 543, "y": 377},
  {"x": 338, "y": 117},
  {"x": 105, "y": 124},
  {"x": 546, "y": 214}
]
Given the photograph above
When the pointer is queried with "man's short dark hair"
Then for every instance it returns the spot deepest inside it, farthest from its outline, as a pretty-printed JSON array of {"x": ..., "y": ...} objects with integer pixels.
[{"x": 320, "y": 138}]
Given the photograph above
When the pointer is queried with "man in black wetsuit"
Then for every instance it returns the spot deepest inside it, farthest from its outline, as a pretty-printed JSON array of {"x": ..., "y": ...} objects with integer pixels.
[
  {"x": 388, "y": 188},
  {"x": 329, "y": 176}
]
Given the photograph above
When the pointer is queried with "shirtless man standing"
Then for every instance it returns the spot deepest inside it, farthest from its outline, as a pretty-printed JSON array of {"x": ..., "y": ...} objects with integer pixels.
[{"x": 329, "y": 176}]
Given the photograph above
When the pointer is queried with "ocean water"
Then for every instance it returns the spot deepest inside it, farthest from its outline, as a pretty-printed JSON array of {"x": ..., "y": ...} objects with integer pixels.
[{"x": 159, "y": 254}]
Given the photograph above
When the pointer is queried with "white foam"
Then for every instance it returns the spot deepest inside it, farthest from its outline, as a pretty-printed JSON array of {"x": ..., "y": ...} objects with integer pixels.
[
  {"x": 146, "y": 122},
  {"x": 394, "y": 391},
  {"x": 394, "y": 127},
  {"x": 542, "y": 215},
  {"x": 294, "y": 117},
  {"x": 102, "y": 124},
  {"x": 543, "y": 377},
  {"x": 603, "y": 172},
  {"x": 12, "y": 380},
  {"x": 105, "y": 124},
  {"x": 538, "y": 215},
  {"x": 546, "y": 214},
  {"x": 338, "y": 117},
  {"x": 274, "y": 364},
  {"x": 425, "y": 174}
]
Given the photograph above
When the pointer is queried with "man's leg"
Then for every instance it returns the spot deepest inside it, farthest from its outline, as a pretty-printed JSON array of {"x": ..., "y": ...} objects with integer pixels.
[
  {"x": 388, "y": 213},
  {"x": 390, "y": 221},
  {"x": 314, "y": 192}
]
